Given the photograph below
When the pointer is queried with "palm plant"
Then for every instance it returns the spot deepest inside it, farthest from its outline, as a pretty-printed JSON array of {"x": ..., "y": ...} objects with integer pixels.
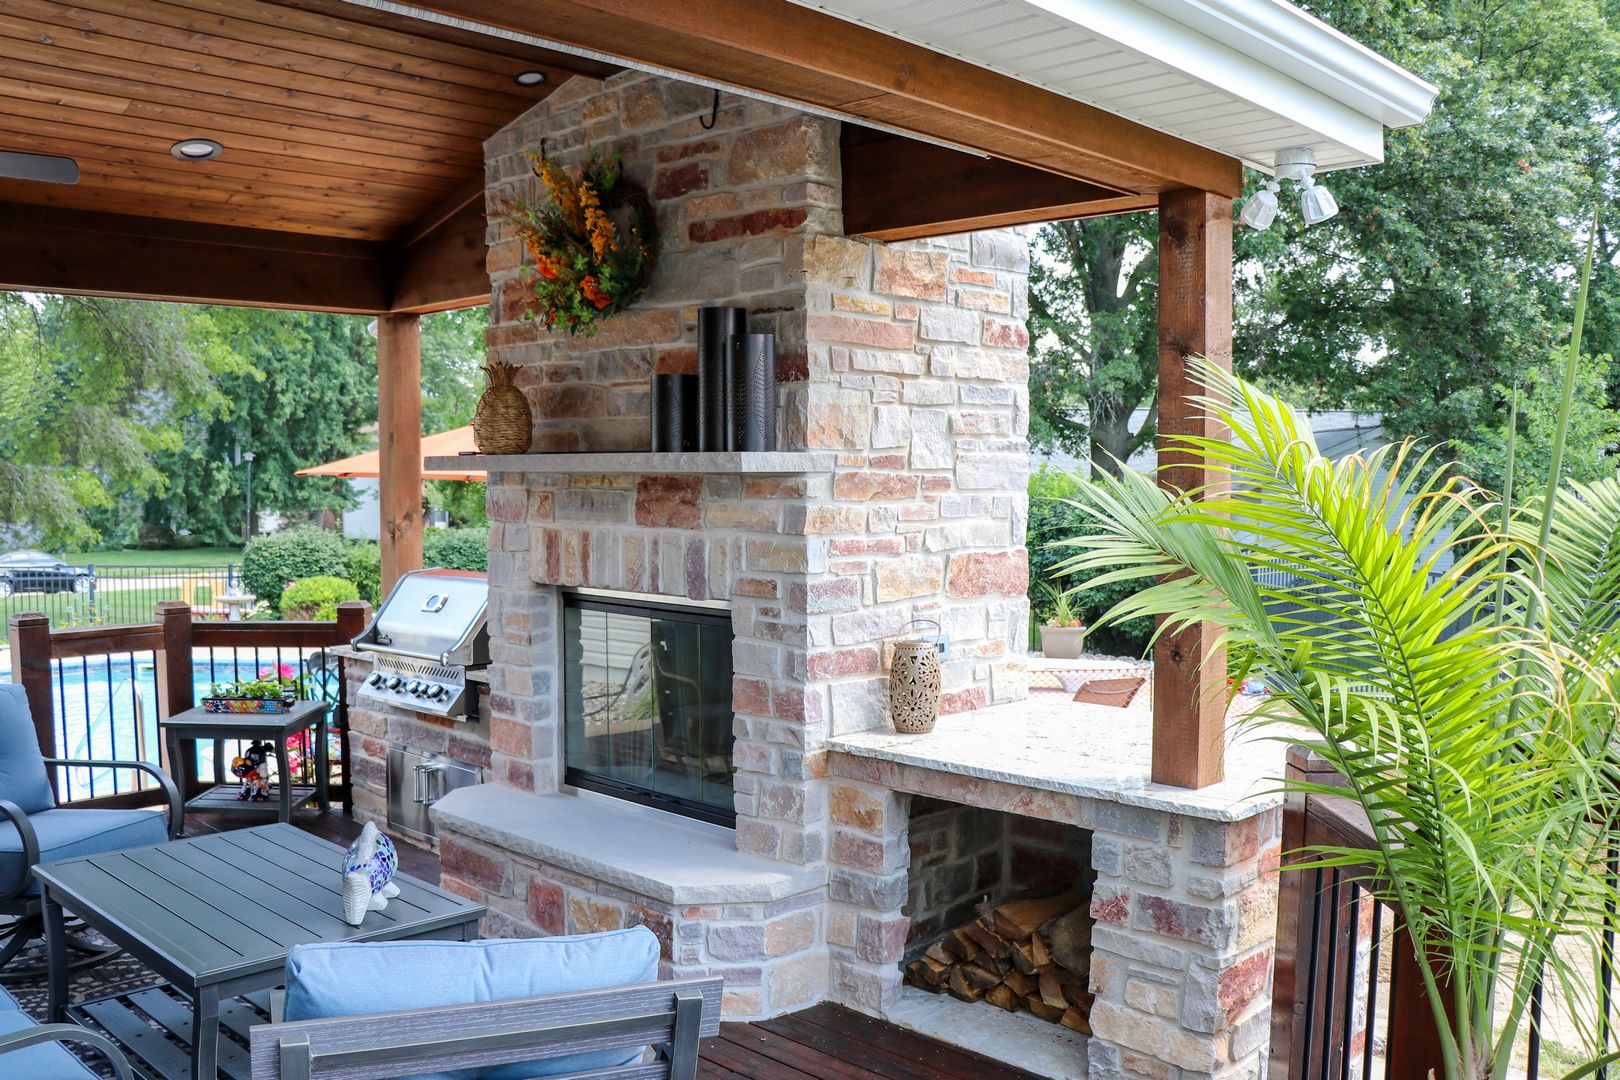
[{"x": 1475, "y": 735}]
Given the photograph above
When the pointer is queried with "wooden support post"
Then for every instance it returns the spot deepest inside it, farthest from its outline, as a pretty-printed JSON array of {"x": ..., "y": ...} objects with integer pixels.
[
  {"x": 174, "y": 683},
  {"x": 399, "y": 435},
  {"x": 1195, "y": 319},
  {"x": 29, "y": 633}
]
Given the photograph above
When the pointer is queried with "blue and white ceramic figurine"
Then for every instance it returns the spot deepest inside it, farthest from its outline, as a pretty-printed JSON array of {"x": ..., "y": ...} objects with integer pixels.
[{"x": 368, "y": 875}]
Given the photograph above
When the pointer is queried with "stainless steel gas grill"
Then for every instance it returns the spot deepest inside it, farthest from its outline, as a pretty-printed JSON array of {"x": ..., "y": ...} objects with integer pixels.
[{"x": 430, "y": 630}]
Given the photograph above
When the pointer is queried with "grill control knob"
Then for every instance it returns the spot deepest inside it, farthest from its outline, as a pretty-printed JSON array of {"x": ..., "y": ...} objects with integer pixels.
[
  {"x": 394, "y": 682},
  {"x": 435, "y": 692},
  {"x": 376, "y": 678}
]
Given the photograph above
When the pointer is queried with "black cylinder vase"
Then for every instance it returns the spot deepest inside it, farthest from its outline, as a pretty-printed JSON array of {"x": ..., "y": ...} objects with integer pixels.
[
  {"x": 674, "y": 413},
  {"x": 752, "y": 398},
  {"x": 717, "y": 328}
]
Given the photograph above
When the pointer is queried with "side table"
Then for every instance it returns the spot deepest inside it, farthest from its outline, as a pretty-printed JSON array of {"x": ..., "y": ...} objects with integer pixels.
[{"x": 274, "y": 728}]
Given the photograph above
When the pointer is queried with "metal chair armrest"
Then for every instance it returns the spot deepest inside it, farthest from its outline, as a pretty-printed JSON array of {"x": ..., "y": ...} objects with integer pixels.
[
  {"x": 177, "y": 805},
  {"x": 44, "y": 1033},
  {"x": 30, "y": 847}
]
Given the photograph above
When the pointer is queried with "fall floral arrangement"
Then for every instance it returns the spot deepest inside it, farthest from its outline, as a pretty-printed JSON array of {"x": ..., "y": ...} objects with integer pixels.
[{"x": 593, "y": 241}]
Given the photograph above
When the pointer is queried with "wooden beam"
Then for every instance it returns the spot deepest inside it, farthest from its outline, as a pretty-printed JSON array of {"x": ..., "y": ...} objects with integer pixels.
[
  {"x": 445, "y": 267},
  {"x": 1195, "y": 319},
  {"x": 790, "y": 51},
  {"x": 54, "y": 249},
  {"x": 902, "y": 189},
  {"x": 399, "y": 431}
]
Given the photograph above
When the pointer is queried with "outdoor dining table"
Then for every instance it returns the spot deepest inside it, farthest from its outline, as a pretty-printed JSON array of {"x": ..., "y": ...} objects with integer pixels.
[{"x": 215, "y": 916}]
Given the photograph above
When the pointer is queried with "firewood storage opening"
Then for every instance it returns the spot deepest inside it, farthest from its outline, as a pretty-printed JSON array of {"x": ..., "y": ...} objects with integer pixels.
[{"x": 1000, "y": 911}]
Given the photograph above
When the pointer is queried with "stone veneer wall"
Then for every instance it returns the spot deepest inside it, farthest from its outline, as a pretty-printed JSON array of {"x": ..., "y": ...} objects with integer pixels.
[
  {"x": 1185, "y": 912},
  {"x": 905, "y": 364}
]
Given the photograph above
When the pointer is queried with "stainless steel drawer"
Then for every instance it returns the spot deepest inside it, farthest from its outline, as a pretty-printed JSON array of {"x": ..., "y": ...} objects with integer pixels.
[{"x": 415, "y": 782}]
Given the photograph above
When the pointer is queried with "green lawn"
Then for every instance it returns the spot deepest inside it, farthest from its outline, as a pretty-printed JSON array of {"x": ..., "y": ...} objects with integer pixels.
[
  {"x": 112, "y": 607},
  {"x": 203, "y": 556}
]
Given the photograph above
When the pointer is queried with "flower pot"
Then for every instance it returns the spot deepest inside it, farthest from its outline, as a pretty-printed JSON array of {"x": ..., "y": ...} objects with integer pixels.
[
  {"x": 248, "y": 705},
  {"x": 1062, "y": 642}
]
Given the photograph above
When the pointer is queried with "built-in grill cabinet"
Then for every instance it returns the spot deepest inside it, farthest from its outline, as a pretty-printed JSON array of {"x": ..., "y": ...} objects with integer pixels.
[
  {"x": 415, "y": 782},
  {"x": 430, "y": 630}
]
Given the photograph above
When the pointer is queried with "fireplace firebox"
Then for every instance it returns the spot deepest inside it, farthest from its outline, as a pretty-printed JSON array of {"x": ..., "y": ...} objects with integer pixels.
[{"x": 647, "y": 695}]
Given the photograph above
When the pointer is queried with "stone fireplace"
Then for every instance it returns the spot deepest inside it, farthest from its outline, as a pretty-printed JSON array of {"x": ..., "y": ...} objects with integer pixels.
[{"x": 898, "y": 494}]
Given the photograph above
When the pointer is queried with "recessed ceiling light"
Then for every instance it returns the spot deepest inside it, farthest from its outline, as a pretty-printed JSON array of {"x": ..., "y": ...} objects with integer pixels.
[
  {"x": 196, "y": 149},
  {"x": 529, "y": 78}
]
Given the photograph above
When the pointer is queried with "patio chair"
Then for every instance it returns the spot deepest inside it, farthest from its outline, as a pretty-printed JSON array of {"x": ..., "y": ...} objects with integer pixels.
[
  {"x": 34, "y": 1050},
  {"x": 33, "y": 829},
  {"x": 559, "y": 1007}
]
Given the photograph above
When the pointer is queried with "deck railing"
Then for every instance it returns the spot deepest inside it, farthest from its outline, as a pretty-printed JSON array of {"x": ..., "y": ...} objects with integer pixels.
[
  {"x": 98, "y": 692},
  {"x": 1348, "y": 1001}
]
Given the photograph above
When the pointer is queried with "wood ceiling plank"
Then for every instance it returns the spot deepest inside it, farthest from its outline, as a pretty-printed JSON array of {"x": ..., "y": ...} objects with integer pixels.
[
  {"x": 34, "y": 65},
  {"x": 164, "y": 124},
  {"x": 230, "y": 34},
  {"x": 96, "y": 186},
  {"x": 783, "y": 49},
  {"x": 901, "y": 189},
  {"x": 121, "y": 147},
  {"x": 371, "y": 28},
  {"x": 106, "y": 224},
  {"x": 162, "y": 65},
  {"x": 65, "y": 196}
]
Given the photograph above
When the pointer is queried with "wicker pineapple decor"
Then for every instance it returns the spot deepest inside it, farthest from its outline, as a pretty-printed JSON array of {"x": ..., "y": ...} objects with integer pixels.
[{"x": 502, "y": 423}]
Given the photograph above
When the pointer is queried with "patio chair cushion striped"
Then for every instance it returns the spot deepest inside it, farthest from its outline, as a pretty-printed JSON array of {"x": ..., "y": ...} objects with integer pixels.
[
  {"x": 66, "y": 833},
  {"x": 352, "y": 979},
  {"x": 47, "y": 1061},
  {"x": 22, "y": 768}
]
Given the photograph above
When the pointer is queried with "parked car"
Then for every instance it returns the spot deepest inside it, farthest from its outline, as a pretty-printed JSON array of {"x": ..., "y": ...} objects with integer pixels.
[{"x": 37, "y": 572}]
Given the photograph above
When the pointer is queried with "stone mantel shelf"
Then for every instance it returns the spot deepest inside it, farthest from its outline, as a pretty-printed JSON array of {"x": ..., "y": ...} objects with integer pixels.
[
  {"x": 720, "y": 463},
  {"x": 645, "y": 852},
  {"x": 1050, "y": 743}
]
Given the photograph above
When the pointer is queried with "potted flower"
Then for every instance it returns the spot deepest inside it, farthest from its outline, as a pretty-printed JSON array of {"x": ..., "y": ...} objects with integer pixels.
[
  {"x": 275, "y": 690},
  {"x": 1063, "y": 635}
]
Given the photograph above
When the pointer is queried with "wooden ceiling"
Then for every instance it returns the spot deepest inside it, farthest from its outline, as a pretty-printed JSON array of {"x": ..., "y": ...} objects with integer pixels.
[{"x": 336, "y": 120}]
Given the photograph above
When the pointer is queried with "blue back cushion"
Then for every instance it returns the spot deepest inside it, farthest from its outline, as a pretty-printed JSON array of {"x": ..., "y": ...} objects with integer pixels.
[
  {"x": 22, "y": 769},
  {"x": 352, "y": 979}
]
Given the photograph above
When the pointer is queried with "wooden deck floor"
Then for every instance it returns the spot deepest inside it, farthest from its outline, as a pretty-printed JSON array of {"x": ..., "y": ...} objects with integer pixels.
[{"x": 821, "y": 1043}]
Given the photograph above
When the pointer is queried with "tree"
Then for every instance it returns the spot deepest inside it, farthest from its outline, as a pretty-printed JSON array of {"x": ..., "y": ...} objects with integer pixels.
[
  {"x": 304, "y": 394},
  {"x": 1094, "y": 336},
  {"x": 93, "y": 393},
  {"x": 452, "y": 353},
  {"x": 1445, "y": 279}
]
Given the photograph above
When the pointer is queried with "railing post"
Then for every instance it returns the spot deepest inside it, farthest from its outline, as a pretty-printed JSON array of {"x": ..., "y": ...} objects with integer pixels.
[
  {"x": 29, "y": 633},
  {"x": 1296, "y": 912},
  {"x": 174, "y": 685},
  {"x": 352, "y": 618}
]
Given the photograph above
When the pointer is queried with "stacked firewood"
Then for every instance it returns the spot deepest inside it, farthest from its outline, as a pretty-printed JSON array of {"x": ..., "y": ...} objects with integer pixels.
[{"x": 1024, "y": 954}]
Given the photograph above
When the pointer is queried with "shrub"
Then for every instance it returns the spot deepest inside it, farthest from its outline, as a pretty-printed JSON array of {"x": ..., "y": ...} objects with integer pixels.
[
  {"x": 316, "y": 597},
  {"x": 1050, "y": 518},
  {"x": 364, "y": 567},
  {"x": 270, "y": 562},
  {"x": 456, "y": 549}
]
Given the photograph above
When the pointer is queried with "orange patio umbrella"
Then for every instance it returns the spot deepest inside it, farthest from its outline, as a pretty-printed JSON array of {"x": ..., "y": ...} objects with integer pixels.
[{"x": 444, "y": 444}]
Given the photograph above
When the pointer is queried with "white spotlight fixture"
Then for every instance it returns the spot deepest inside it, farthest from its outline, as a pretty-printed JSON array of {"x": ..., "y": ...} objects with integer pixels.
[
  {"x": 1261, "y": 209},
  {"x": 1316, "y": 203},
  {"x": 529, "y": 78}
]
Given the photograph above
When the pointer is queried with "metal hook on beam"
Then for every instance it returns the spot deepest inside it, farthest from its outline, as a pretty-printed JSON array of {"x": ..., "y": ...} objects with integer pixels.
[{"x": 714, "y": 113}]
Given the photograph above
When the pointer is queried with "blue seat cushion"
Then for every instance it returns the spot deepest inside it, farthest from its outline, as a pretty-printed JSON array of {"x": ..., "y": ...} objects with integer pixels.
[
  {"x": 339, "y": 979},
  {"x": 22, "y": 769},
  {"x": 44, "y": 1061},
  {"x": 66, "y": 833}
]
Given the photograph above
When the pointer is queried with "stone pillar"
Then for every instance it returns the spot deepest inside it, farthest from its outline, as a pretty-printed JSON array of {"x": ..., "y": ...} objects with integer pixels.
[
  {"x": 1185, "y": 912},
  {"x": 867, "y": 926}
]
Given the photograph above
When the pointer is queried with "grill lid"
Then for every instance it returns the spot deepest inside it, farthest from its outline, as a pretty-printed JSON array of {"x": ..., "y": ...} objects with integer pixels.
[{"x": 433, "y": 614}]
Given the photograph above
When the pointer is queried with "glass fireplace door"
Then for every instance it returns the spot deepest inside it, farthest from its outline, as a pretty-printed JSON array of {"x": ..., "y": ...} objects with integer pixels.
[{"x": 647, "y": 701}]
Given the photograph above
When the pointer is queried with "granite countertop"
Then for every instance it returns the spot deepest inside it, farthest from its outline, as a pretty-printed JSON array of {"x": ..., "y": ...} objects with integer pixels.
[{"x": 1051, "y": 743}]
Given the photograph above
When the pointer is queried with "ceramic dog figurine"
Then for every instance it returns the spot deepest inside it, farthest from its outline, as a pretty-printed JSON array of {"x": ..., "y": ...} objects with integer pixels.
[
  {"x": 250, "y": 768},
  {"x": 368, "y": 875}
]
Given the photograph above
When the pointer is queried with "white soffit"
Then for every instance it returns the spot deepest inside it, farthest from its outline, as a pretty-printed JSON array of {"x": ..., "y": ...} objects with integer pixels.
[{"x": 1244, "y": 77}]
